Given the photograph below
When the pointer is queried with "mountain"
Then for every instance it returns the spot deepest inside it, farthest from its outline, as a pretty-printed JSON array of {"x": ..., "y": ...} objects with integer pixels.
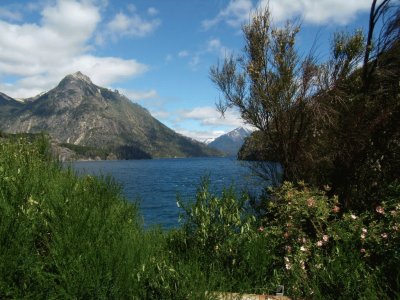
[
  {"x": 208, "y": 140},
  {"x": 8, "y": 105},
  {"x": 90, "y": 119},
  {"x": 231, "y": 142}
]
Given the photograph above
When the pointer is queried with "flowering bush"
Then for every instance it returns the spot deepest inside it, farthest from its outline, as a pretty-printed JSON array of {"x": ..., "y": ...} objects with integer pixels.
[{"x": 320, "y": 248}]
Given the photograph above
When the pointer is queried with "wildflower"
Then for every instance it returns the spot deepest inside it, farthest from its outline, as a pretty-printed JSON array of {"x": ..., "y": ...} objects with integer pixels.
[
  {"x": 384, "y": 235},
  {"x": 395, "y": 227},
  {"x": 336, "y": 209},
  {"x": 380, "y": 210},
  {"x": 303, "y": 240},
  {"x": 302, "y": 264},
  {"x": 302, "y": 248},
  {"x": 325, "y": 238},
  {"x": 288, "y": 249},
  {"x": 318, "y": 266},
  {"x": 362, "y": 250},
  {"x": 310, "y": 202},
  {"x": 260, "y": 229},
  {"x": 288, "y": 265},
  {"x": 319, "y": 244},
  {"x": 286, "y": 235},
  {"x": 363, "y": 236},
  {"x": 364, "y": 230},
  {"x": 354, "y": 217}
]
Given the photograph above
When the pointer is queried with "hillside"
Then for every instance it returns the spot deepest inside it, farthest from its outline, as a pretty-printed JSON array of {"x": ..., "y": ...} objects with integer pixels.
[{"x": 84, "y": 117}]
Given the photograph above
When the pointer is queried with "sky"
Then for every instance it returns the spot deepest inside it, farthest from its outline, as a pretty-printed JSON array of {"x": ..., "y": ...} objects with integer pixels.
[{"x": 156, "y": 52}]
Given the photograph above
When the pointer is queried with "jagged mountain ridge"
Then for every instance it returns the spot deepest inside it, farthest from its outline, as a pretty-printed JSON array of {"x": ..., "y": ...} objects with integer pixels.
[
  {"x": 231, "y": 142},
  {"x": 81, "y": 113}
]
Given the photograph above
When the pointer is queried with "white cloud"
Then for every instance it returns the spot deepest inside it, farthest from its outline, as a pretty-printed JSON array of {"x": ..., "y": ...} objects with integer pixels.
[
  {"x": 183, "y": 53},
  {"x": 40, "y": 54},
  {"x": 201, "y": 135},
  {"x": 139, "y": 95},
  {"x": 168, "y": 58},
  {"x": 342, "y": 12},
  {"x": 131, "y": 25},
  {"x": 194, "y": 61},
  {"x": 209, "y": 116},
  {"x": 9, "y": 15},
  {"x": 215, "y": 45},
  {"x": 152, "y": 11},
  {"x": 317, "y": 11},
  {"x": 235, "y": 14}
]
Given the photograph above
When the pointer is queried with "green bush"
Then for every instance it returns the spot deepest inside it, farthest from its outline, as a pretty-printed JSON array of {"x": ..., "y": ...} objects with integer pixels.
[{"x": 63, "y": 236}]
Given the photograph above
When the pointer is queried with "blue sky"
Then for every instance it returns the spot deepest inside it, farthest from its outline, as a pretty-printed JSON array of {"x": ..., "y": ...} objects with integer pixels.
[{"x": 156, "y": 52}]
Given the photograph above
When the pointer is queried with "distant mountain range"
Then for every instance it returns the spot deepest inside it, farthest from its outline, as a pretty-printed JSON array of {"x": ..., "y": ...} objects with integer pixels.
[
  {"x": 94, "y": 122},
  {"x": 231, "y": 142}
]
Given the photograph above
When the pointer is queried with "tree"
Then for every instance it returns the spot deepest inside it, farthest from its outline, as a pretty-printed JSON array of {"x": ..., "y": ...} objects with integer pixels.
[
  {"x": 331, "y": 123},
  {"x": 271, "y": 85}
]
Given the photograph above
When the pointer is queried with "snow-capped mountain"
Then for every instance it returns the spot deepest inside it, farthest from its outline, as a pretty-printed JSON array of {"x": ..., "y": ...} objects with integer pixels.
[{"x": 231, "y": 142}]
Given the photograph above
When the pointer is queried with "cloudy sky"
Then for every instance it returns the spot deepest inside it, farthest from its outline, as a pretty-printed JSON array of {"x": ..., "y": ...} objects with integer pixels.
[{"x": 156, "y": 52}]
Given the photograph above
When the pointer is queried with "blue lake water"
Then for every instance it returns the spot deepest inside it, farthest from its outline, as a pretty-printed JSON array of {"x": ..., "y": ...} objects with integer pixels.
[{"x": 157, "y": 182}]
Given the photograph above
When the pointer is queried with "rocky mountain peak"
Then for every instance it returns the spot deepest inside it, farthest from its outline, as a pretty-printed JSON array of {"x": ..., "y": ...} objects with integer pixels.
[
  {"x": 79, "y": 76},
  {"x": 75, "y": 79}
]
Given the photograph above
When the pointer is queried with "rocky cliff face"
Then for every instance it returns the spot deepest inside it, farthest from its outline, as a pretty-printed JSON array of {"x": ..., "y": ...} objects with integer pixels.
[{"x": 78, "y": 112}]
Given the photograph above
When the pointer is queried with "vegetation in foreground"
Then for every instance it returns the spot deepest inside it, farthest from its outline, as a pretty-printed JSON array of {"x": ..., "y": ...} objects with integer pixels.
[{"x": 64, "y": 236}]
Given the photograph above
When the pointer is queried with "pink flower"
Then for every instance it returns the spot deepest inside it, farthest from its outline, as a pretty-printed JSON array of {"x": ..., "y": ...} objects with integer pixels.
[
  {"x": 325, "y": 238},
  {"x": 384, "y": 235},
  {"x": 364, "y": 230},
  {"x": 310, "y": 202},
  {"x": 380, "y": 210},
  {"x": 286, "y": 235},
  {"x": 363, "y": 236},
  {"x": 336, "y": 209},
  {"x": 362, "y": 250},
  {"x": 288, "y": 248},
  {"x": 319, "y": 244},
  {"x": 260, "y": 229}
]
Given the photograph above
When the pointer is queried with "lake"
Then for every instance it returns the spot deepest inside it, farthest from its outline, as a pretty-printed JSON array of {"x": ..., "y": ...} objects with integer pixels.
[{"x": 157, "y": 182}]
